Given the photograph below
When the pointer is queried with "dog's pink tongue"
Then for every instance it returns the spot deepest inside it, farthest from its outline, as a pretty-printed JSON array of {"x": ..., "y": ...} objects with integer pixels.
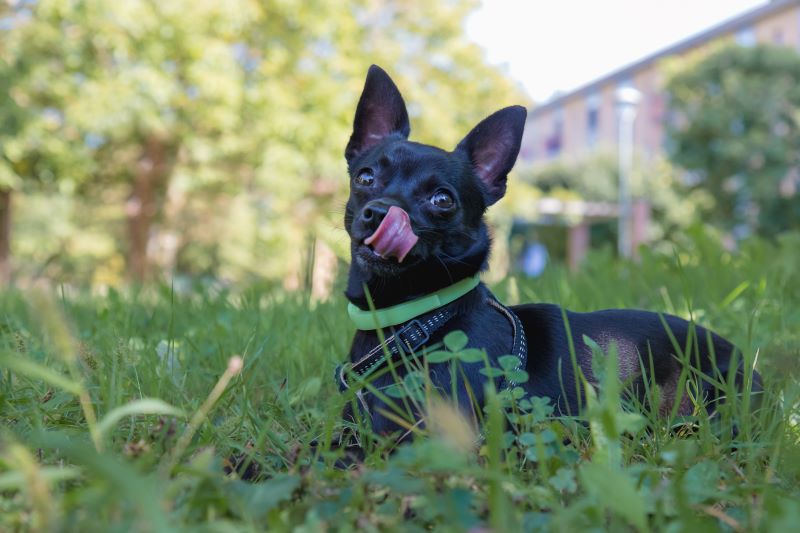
[{"x": 394, "y": 237}]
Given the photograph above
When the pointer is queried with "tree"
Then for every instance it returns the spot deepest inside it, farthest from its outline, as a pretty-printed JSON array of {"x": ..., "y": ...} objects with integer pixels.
[
  {"x": 317, "y": 79},
  {"x": 11, "y": 119},
  {"x": 737, "y": 128},
  {"x": 144, "y": 88},
  {"x": 234, "y": 115},
  {"x": 34, "y": 147}
]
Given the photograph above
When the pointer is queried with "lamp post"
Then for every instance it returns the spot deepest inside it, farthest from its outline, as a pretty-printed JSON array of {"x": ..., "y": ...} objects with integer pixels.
[{"x": 626, "y": 99}]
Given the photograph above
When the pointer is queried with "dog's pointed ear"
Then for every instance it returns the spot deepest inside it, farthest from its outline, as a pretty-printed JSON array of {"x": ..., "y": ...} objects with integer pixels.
[
  {"x": 492, "y": 147},
  {"x": 381, "y": 112}
]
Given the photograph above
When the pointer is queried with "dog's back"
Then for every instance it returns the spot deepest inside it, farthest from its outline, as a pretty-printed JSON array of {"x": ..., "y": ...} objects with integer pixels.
[{"x": 648, "y": 344}]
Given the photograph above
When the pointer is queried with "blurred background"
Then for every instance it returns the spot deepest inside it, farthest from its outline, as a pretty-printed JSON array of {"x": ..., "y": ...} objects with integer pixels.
[{"x": 145, "y": 140}]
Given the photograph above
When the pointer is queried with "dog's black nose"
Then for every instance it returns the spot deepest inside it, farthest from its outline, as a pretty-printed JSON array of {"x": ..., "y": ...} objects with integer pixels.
[{"x": 374, "y": 212}]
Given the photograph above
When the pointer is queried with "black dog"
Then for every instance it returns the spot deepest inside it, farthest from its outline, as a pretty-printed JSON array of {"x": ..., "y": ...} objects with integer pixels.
[{"x": 415, "y": 219}]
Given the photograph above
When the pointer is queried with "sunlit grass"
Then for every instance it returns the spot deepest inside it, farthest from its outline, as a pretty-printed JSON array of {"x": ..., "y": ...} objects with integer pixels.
[{"x": 122, "y": 412}]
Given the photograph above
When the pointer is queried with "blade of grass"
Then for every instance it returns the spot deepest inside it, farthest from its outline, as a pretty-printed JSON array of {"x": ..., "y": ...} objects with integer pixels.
[
  {"x": 144, "y": 406},
  {"x": 235, "y": 365}
]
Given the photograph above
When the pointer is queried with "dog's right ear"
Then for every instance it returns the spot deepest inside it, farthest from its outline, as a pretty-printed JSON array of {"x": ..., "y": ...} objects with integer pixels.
[{"x": 381, "y": 112}]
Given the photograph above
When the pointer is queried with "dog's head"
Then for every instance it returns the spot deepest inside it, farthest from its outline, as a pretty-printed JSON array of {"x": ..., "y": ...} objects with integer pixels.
[{"x": 417, "y": 208}]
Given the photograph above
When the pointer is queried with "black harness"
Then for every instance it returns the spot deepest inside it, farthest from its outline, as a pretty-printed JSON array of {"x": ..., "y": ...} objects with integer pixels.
[{"x": 411, "y": 338}]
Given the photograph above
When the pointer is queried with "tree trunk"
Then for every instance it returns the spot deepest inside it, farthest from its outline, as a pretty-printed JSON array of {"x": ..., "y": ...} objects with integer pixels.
[
  {"x": 5, "y": 236},
  {"x": 151, "y": 173}
]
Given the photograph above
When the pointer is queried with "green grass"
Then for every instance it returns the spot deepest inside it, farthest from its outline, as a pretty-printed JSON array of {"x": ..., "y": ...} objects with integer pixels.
[{"x": 97, "y": 394}]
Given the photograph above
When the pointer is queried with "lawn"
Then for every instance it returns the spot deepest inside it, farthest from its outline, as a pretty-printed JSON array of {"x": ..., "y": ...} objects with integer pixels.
[{"x": 120, "y": 411}]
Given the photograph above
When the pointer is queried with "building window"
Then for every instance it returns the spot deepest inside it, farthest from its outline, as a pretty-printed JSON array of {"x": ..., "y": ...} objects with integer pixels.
[
  {"x": 746, "y": 37},
  {"x": 592, "y": 119},
  {"x": 527, "y": 151},
  {"x": 552, "y": 145}
]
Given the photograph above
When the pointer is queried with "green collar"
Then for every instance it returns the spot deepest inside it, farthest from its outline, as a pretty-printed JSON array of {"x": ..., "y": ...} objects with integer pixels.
[{"x": 397, "y": 314}]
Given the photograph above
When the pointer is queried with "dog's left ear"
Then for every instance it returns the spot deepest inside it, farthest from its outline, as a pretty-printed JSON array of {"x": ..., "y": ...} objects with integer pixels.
[{"x": 492, "y": 147}]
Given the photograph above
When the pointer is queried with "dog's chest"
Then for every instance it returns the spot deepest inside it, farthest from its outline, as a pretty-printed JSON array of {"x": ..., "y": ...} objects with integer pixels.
[{"x": 485, "y": 328}]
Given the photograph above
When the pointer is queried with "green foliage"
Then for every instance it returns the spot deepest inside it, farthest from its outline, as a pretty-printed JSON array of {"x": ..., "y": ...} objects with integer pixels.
[
  {"x": 674, "y": 207},
  {"x": 616, "y": 466},
  {"x": 33, "y": 145},
  {"x": 736, "y": 126},
  {"x": 225, "y": 121}
]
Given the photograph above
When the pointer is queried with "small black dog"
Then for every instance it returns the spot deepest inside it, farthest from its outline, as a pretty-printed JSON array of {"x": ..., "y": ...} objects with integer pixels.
[{"x": 418, "y": 242}]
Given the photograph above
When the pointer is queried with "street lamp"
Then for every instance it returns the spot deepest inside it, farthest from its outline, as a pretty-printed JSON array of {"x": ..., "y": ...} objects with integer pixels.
[{"x": 626, "y": 99}]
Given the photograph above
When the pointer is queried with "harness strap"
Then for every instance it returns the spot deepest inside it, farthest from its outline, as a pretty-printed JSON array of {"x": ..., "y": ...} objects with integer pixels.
[
  {"x": 414, "y": 335},
  {"x": 411, "y": 338},
  {"x": 408, "y": 339},
  {"x": 519, "y": 345}
]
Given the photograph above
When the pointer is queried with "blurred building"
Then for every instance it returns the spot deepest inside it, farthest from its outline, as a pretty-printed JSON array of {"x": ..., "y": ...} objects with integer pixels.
[{"x": 583, "y": 121}]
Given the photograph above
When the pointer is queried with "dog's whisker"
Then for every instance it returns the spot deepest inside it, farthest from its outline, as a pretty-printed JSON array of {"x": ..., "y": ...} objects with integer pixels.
[
  {"x": 451, "y": 258},
  {"x": 445, "y": 268}
]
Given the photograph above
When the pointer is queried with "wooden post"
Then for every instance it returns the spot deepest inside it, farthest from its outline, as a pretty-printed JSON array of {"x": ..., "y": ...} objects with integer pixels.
[
  {"x": 640, "y": 221},
  {"x": 323, "y": 272},
  {"x": 577, "y": 244}
]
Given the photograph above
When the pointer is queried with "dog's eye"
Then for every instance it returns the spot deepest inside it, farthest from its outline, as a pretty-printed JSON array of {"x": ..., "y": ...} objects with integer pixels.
[
  {"x": 365, "y": 178},
  {"x": 442, "y": 200}
]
